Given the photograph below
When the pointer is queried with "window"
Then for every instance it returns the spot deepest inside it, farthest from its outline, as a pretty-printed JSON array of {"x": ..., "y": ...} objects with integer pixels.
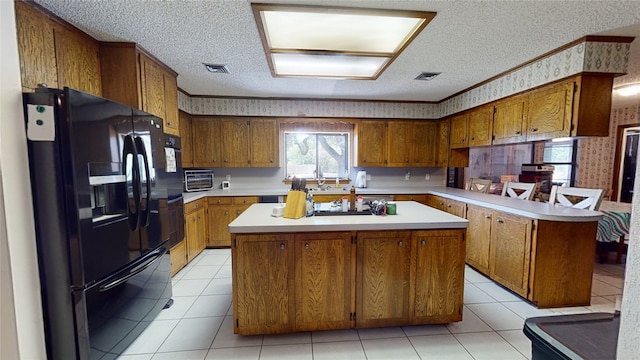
[
  {"x": 316, "y": 155},
  {"x": 562, "y": 155}
]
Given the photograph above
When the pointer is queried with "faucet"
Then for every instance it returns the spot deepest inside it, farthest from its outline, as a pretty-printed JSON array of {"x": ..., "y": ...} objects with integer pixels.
[{"x": 319, "y": 177}]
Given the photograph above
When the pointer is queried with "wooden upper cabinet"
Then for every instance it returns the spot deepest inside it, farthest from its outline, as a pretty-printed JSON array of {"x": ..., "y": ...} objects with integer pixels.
[
  {"x": 207, "y": 142},
  {"x": 481, "y": 126},
  {"x": 131, "y": 76},
  {"x": 425, "y": 143},
  {"x": 371, "y": 143},
  {"x": 78, "y": 60},
  {"x": 264, "y": 143},
  {"x": 325, "y": 264},
  {"x": 35, "y": 47},
  {"x": 442, "y": 147},
  {"x": 549, "y": 113},
  {"x": 459, "y": 133},
  {"x": 399, "y": 150},
  {"x": 234, "y": 135},
  {"x": 509, "y": 120},
  {"x": 186, "y": 138}
]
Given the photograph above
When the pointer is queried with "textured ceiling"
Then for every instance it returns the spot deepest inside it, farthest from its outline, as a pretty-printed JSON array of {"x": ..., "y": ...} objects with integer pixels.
[{"x": 467, "y": 41}]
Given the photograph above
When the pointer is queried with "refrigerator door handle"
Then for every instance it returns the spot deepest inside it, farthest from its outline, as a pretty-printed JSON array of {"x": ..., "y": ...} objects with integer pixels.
[
  {"x": 133, "y": 204},
  {"x": 134, "y": 269},
  {"x": 144, "y": 207}
]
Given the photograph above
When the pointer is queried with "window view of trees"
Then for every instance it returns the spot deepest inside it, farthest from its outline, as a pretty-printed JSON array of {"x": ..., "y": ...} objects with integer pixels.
[
  {"x": 562, "y": 155},
  {"x": 316, "y": 155}
]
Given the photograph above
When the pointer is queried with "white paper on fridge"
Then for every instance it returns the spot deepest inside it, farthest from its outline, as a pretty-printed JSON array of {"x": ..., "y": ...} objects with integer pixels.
[
  {"x": 41, "y": 124},
  {"x": 170, "y": 155}
]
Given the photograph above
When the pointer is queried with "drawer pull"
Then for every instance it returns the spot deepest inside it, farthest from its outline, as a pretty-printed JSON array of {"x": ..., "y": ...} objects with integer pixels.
[
  {"x": 306, "y": 246},
  {"x": 534, "y": 129},
  {"x": 487, "y": 216},
  {"x": 423, "y": 243},
  {"x": 400, "y": 243},
  {"x": 500, "y": 221},
  {"x": 226, "y": 212},
  {"x": 517, "y": 132},
  {"x": 282, "y": 247},
  {"x": 225, "y": 160}
]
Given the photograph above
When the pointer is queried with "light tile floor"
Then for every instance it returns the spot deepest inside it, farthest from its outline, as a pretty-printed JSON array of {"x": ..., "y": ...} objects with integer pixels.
[{"x": 199, "y": 325}]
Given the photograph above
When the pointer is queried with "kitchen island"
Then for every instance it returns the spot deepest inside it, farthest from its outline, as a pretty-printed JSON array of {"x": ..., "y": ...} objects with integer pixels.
[{"x": 349, "y": 271}]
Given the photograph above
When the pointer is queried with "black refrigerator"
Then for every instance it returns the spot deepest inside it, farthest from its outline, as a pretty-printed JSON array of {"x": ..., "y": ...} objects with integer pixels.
[{"x": 100, "y": 175}]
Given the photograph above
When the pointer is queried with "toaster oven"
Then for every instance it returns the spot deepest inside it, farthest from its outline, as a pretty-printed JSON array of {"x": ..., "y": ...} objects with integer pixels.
[{"x": 198, "y": 180}]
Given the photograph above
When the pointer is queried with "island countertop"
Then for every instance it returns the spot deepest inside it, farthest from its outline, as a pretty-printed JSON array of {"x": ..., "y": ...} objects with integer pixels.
[{"x": 410, "y": 216}]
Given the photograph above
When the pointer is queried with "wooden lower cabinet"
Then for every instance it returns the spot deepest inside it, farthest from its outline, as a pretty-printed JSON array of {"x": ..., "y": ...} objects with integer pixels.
[
  {"x": 478, "y": 238},
  {"x": 178, "y": 256},
  {"x": 339, "y": 280},
  {"x": 453, "y": 207},
  {"x": 222, "y": 211},
  {"x": 436, "y": 202},
  {"x": 195, "y": 228},
  {"x": 383, "y": 269},
  {"x": 510, "y": 251},
  {"x": 263, "y": 284},
  {"x": 417, "y": 198}
]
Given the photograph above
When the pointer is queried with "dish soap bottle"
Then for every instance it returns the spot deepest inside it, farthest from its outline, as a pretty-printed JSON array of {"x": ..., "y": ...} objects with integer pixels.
[
  {"x": 352, "y": 198},
  {"x": 337, "y": 183}
]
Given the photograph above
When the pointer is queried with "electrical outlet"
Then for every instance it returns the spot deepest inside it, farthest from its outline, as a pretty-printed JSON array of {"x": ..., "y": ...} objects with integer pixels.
[
  {"x": 427, "y": 177},
  {"x": 407, "y": 176}
]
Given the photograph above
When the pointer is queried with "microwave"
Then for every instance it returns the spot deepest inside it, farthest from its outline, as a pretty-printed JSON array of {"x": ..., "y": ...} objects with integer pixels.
[{"x": 198, "y": 180}]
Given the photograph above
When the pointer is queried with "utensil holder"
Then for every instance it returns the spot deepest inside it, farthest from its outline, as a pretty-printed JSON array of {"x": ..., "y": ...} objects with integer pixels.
[{"x": 296, "y": 204}]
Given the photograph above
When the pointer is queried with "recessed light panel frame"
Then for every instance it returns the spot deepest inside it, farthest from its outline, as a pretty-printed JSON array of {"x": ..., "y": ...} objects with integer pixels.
[{"x": 321, "y": 42}]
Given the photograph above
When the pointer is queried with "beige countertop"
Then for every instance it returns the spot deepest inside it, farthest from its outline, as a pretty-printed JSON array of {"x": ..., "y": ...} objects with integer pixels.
[
  {"x": 410, "y": 216},
  {"x": 530, "y": 209}
]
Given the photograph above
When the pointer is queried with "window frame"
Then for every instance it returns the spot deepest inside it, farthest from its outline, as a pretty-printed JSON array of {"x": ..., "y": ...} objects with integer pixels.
[
  {"x": 316, "y": 132},
  {"x": 574, "y": 158}
]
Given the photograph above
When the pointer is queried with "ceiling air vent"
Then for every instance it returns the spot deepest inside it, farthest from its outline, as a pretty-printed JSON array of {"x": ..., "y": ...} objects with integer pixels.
[
  {"x": 426, "y": 76},
  {"x": 217, "y": 68}
]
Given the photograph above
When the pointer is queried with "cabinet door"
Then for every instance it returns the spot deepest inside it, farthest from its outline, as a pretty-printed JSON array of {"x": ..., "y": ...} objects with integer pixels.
[
  {"x": 478, "y": 237},
  {"x": 438, "y": 280},
  {"x": 178, "y": 256},
  {"x": 171, "y": 119},
  {"x": 425, "y": 135},
  {"x": 550, "y": 110},
  {"x": 383, "y": 270},
  {"x": 459, "y": 134},
  {"x": 417, "y": 198},
  {"x": 152, "y": 87},
  {"x": 481, "y": 126},
  {"x": 219, "y": 218},
  {"x": 186, "y": 139},
  {"x": 400, "y": 144},
  {"x": 457, "y": 208},
  {"x": 264, "y": 143},
  {"x": 36, "y": 47},
  {"x": 235, "y": 144},
  {"x": 324, "y": 274},
  {"x": 371, "y": 143},
  {"x": 193, "y": 230},
  {"x": 207, "y": 142},
  {"x": 436, "y": 202},
  {"x": 510, "y": 251},
  {"x": 508, "y": 120},
  {"x": 263, "y": 284},
  {"x": 78, "y": 60},
  {"x": 442, "y": 157}
]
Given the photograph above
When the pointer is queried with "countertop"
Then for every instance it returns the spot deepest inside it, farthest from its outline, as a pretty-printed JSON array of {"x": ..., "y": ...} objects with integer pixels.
[
  {"x": 530, "y": 209},
  {"x": 410, "y": 216}
]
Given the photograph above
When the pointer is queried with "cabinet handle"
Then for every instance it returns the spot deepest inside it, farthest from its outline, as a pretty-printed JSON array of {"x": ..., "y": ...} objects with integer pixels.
[
  {"x": 473, "y": 138},
  {"x": 244, "y": 201},
  {"x": 218, "y": 201},
  {"x": 400, "y": 243},
  {"x": 282, "y": 247},
  {"x": 364, "y": 160},
  {"x": 225, "y": 160},
  {"x": 441, "y": 202},
  {"x": 462, "y": 140},
  {"x": 423, "y": 243},
  {"x": 226, "y": 212},
  {"x": 237, "y": 212},
  {"x": 487, "y": 216},
  {"x": 534, "y": 129},
  {"x": 270, "y": 160},
  {"x": 406, "y": 161},
  {"x": 517, "y": 132},
  {"x": 306, "y": 246},
  {"x": 500, "y": 221}
]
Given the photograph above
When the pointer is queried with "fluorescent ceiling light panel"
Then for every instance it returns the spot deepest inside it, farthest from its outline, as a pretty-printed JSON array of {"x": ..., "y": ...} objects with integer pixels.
[
  {"x": 355, "y": 37},
  {"x": 628, "y": 90}
]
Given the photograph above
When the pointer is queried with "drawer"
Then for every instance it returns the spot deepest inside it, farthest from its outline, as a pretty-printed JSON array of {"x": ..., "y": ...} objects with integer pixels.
[
  {"x": 194, "y": 205},
  {"x": 245, "y": 200},
  {"x": 220, "y": 200}
]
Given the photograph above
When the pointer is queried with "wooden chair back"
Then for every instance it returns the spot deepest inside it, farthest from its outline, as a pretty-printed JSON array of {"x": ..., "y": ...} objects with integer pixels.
[
  {"x": 479, "y": 185},
  {"x": 519, "y": 190},
  {"x": 579, "y": 198}
]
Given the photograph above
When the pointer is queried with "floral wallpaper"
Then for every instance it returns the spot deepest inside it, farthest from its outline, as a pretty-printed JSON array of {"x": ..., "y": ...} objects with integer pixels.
[
  {"x": 596, "y": 154},
  {"x": 603, "y": 57}
]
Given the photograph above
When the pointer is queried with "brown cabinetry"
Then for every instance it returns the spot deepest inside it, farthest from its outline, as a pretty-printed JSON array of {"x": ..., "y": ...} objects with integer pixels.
[
  {"x": 453, "y": 207},
  {"x": 510, "y": 251},
  {"x": 133, "y": 77},
  {"x": 459, "y": 133},
  {"x": 78, "y": 60},
  {"x": 549, "y": 113},
  {"x": 264, "y": 143},
  {"x": 478, "y": 237},
  {"x": 263, "y": 284},
  {"x": 206, "y": 142},
  {"x": 222, "y": 211},
  {"x": 480, "y": 126},
  {"x": 417, "y": 198},
  {"x": 371, "y": 143},
  {"x": 178, "y": 256},
  {"x": 195, "y": 227},
  {"x": 442, "y": 147},
  {"x": 236, "y": 150},
  {"x": 324, "y": 280},
  {"x": 508, "y": 120},
  {"x": 186, "y": 139}
]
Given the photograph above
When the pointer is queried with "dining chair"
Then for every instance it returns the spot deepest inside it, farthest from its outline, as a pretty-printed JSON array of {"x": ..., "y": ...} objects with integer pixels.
[
  {"x": 479, "y": 185},
  {"x": 519, "y": 190},
  {"x": 579, "y": 198}
]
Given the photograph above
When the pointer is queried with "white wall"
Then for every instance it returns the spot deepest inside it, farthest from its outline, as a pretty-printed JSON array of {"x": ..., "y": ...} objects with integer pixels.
[{"x": 22, "y": 317}]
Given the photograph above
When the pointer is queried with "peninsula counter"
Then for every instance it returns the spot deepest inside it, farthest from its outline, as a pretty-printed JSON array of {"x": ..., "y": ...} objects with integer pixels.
[{"x": 349, "y": 271}]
